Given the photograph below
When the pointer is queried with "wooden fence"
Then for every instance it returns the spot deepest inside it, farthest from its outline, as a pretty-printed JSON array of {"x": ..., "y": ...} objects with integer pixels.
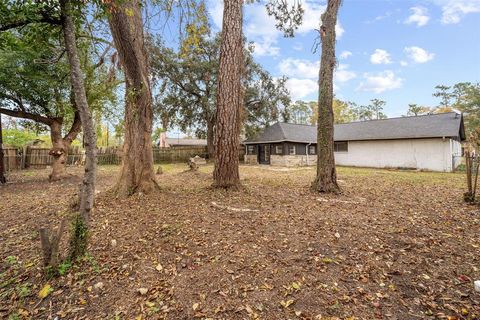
[{"x": 37, "y": 158}]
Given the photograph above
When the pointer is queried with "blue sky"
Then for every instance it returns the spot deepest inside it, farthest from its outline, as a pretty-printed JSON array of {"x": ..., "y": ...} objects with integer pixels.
[{"x": 395, "y": 50}]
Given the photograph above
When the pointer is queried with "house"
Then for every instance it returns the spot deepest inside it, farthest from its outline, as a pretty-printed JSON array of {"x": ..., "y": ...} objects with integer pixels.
[
  {"x": 429, "y": 142},
  {"x": 165, "y": 142}
]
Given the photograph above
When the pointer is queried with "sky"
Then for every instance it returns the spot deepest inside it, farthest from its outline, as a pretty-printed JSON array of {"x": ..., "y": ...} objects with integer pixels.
[{"x": 394, "y": 50}]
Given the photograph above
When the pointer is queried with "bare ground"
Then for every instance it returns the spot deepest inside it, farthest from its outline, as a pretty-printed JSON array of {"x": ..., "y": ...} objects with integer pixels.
[{"x": 394, "y": 245}]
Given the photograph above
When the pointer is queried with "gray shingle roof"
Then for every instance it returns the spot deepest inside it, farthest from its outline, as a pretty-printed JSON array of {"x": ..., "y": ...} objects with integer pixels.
[
  {"x": 186, "y": 142},
  {"x": 427, "y": 126}
]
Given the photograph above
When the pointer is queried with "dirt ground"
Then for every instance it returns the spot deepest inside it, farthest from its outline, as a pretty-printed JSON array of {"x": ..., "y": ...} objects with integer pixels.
[{"x": 394, "y": 245}]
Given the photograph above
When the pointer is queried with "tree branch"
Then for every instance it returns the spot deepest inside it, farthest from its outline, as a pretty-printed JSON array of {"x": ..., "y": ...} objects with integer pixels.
[
  {"x": 74, "y": 129},
  {"x": 22, "y": 23},
  {"x": 26, "y": 115}
]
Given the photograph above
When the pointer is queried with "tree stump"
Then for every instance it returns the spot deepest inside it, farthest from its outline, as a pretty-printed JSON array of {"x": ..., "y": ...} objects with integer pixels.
[{"x": 193, "y": 165}]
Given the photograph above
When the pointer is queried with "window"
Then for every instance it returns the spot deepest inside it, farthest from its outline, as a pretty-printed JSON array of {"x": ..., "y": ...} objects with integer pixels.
[
  {"x": 278, "y": 149},
  {"x": 250, "y": 149},
  {"x": 311, "y": 149},
  {"x": 341, "y": 146},
  {"x": 291, "y": 150}
]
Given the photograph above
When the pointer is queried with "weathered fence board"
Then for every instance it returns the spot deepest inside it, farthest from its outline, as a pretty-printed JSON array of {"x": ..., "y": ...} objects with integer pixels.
[{"x": 37, "y": 158}]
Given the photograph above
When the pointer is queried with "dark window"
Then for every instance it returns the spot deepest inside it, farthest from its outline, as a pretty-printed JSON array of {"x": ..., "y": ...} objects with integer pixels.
[
  {"x": 250, "y": 149},
  {"x": 311, "y": 149},
  {"x": 291, "y": 150},
  {"x": 278, "y": 149},
  {"x": 341, "y": 146}
]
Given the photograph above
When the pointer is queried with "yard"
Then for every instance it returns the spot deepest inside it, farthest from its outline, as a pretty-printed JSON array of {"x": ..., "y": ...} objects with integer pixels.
[{"x": 394, "y": 245}]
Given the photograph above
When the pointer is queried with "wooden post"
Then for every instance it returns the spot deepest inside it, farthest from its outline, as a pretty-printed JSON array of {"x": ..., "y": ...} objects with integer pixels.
[{"x": 2, "y": 168}]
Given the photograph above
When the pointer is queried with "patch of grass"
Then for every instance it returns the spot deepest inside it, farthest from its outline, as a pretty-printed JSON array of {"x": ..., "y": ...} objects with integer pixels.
[
  {"x": 23, "y": 290},
  {"x": 11, "y": 260},
  {"x": 64, "y": 267}
]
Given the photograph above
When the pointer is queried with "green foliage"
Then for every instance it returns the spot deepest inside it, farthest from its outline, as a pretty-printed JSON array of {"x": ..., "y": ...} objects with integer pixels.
[
  {"x": 11, "y": 260},
  {"x": 302, "y": 112},
  {"x": 288, "y": 14},
  {"x": 18, "y": 138},
  {"x": 64, "y": 267},
  {"x": 416, "y": 110},
  {"x": 343, "y": 112},
  {"x": 34, "y": 81},
  {"x": 186, "y": 84},
  {"x": 464, "y": 97}
]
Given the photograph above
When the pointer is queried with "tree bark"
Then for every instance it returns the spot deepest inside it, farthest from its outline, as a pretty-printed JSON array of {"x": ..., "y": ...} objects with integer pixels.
[
  {"x": 210, "y": 139},
  {"x": 59, "y": 152},
  {"x": 3, "y": 180},
  {"x": 326, "y": 179},
  {"x": 229, "y": 97},
  {"x": 87, "y": 189},
  {"x": 60, "y": 145},
  {"x": 137, "y": 172}
]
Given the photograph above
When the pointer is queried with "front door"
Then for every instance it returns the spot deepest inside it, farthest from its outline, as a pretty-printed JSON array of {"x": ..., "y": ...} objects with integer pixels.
[{"x": 264, "y": 154}]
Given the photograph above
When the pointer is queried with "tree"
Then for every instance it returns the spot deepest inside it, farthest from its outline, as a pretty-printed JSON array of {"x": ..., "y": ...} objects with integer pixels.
[
  {"x": 301, "y": 112},
  {"x": 343, "y": 111},
  {"x": 467, "y": 100},
  {"x": 416, "y": 110},
  {"x": 78, "y": 242},
  {"x": 326, "y": 178},
  {"x": 136, "y": 174},
  {"x": 3, "y": 180},
  {"x": 444, "y": 95},
  {"x": 33, "y": 87},
  {"x": 186, "y": 87},
  {"x": 229, "y": 97},
  {"x": 376, "y": 106}
]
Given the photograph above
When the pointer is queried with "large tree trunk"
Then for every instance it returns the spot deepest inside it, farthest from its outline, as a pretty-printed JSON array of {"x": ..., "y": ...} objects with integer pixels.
[
  {"x": 137, "y": 173},
  {"x": 210, "y": 139},
  {"x": 59, "y": 152},
  {"x": 78, "y": 243},
  {"x": 229, "y": 97},
  {"x": 60, "y": 145},
  {"x": 326, "y": 180}
]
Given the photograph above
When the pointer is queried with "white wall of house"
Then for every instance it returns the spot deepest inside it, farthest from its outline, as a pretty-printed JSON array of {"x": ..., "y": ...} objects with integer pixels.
[{"x": 429, "y": 154}]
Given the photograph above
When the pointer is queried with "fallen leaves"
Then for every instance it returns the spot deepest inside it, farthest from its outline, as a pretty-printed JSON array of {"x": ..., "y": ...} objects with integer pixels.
[
  {"x": 287, "y": 303},
  {"x": 407, "y": 250},
  {"x": 45, "y": 291}
]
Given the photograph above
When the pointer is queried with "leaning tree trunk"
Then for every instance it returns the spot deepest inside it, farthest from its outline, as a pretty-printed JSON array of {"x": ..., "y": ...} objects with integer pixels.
[
  {"x": 229, "y": 97},
  {"x": 326, "y": 180},
  {"x": 137, "y": 173},
  {"x": 78, "y": 242}
]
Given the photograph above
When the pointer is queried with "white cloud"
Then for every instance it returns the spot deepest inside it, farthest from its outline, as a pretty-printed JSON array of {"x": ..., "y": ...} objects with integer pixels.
[
  {"x": 380, "y": 82},
  {"x": 380, "y": 17},
  {"x": 403, "y": 63},
  {"x": 260, "y": 29},
  {"x": 419, "y": 16},
  {"x": 265, "y": 48},
  {"x": 299, "y": 68},
  {"x": 454, "y": 10},
  {"x": 298, "y": 47},
  {"x": 301, "y": 88},
  {"x": 419, "y": 55},
  {"x": 345, "y": 54},
  {"x": 342, "y": 74},
  {"x": 380, "y": 56},
  {"x": 305, "y": 69}
]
